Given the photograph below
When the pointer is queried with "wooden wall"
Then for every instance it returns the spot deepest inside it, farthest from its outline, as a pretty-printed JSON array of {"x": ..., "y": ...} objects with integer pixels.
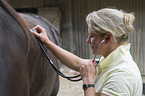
[{"x": 74, "y": 28}]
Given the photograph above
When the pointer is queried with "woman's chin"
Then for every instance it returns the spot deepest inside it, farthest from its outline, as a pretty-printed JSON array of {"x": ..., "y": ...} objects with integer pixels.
[{"x": 95, "y": 53}]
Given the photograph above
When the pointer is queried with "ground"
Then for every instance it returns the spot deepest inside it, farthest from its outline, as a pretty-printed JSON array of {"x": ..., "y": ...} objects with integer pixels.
[{"x": 69, "y": 88}]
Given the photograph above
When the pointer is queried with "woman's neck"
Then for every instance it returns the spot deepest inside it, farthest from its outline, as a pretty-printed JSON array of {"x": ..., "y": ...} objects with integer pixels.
[{"x": 110, "y": 48}]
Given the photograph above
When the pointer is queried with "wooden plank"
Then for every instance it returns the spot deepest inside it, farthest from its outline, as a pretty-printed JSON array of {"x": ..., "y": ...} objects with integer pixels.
[
  {"x": 53, "y": 15},
  {"x": 138, "y": 47}
]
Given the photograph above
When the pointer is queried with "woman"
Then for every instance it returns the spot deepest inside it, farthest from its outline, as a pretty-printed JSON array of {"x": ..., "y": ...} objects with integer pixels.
[{"x": 118, "y": 74}]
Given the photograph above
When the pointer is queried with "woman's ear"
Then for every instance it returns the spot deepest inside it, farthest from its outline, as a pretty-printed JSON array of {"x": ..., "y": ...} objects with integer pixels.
[{"x": 108, "y": 37}]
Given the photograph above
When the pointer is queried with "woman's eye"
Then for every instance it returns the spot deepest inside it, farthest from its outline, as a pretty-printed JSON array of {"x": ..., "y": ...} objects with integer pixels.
[{"x": 91, "y": 36}]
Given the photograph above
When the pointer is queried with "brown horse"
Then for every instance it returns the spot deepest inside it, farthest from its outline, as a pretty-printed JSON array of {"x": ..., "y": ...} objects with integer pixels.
[{"x": 24, "y": 70}]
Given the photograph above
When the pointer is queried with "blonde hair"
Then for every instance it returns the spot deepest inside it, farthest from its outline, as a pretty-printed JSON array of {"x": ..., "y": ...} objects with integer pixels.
[{"x": 117, "y": 22}]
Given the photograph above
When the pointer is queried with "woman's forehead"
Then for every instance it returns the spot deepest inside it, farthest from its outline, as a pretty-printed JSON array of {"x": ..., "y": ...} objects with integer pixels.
[{"x": 92, "y": 32}]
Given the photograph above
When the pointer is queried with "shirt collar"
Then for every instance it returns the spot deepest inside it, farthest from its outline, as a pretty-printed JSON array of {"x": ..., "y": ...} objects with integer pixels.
[{"x": 113, "y": 56}]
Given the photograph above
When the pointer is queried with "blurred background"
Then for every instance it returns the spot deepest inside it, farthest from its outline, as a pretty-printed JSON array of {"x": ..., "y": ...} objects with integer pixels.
[{"x": 68, "y": 17}]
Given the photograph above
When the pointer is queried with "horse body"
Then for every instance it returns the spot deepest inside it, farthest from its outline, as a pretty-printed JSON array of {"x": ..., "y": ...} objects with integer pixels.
[
  {"x": 33, "y": 20},
  {"x": 24, "y": 69}
]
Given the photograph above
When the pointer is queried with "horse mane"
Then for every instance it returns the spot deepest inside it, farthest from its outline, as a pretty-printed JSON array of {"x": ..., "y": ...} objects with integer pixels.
[{"x": 17, "y": 18}]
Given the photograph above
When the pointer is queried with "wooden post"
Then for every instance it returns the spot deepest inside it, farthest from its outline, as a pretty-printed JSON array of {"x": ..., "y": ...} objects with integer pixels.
[{"x": 138, "y": 47}]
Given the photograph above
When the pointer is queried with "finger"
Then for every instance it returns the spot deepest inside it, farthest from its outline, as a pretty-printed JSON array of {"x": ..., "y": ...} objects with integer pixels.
[
  {"x": 36, "y": 27},
  {"x": 80, "y": 68},
  {"x": 91, "y": 63},
  {"x": 94, "y": 62},
  {"x": 33, "y": 30},
  {"x": 39, "y": 29},
  {"x": 35, "y": 33}
]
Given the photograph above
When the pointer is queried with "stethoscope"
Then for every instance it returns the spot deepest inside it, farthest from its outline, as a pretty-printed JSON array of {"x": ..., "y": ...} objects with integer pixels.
[
  {"x": 98, "y": 50},
  {"x": 56, "y": 69}
]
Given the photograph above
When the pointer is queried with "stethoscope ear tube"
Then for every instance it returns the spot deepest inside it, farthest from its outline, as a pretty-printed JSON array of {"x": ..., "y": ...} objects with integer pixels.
[{"x": 97, "y": 62}]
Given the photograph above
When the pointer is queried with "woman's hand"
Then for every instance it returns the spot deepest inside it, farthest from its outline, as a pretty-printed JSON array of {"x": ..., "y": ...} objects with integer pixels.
[
  {"x": 88, "y": 72},
  {"x": 41, "y": 33}
]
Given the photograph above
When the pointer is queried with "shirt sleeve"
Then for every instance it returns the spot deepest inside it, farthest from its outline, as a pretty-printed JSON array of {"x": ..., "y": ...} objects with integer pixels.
[{"x": 118, "y": 83}]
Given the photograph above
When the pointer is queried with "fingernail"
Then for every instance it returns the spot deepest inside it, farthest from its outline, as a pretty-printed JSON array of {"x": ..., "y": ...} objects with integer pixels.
[{"x": 32, "y": 30}]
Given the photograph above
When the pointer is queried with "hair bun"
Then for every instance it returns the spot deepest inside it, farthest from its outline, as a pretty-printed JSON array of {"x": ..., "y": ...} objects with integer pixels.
[{"x": 128, "y": 19}]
